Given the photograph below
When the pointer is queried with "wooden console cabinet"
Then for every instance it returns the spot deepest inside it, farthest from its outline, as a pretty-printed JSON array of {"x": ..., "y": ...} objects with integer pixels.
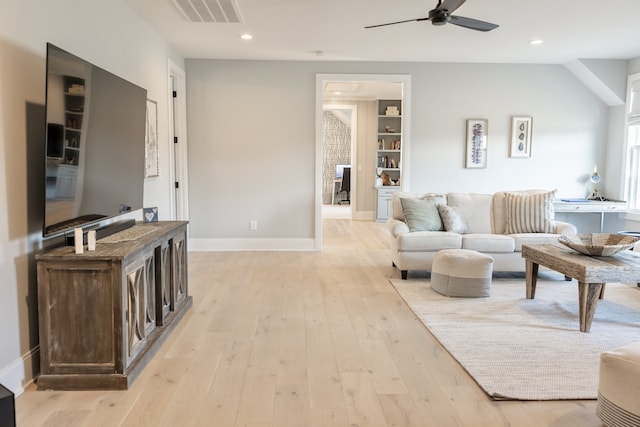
[{"x": 104, "y": 313}]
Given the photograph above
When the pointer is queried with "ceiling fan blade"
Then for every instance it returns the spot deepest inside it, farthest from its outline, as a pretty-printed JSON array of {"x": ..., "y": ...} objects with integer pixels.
[
  {"x": 473, "y": 24},
  {"x": 449, "y": 5},
  {"x": 397, "y": 22}
]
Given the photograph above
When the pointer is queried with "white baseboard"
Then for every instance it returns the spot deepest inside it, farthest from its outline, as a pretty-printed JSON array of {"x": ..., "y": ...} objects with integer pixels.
[
  {"x": 19, "y": 374},
  {"x": 251, "y": 245}
]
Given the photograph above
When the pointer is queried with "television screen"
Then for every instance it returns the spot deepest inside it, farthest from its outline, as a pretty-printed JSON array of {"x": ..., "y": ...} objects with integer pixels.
[{"x": 95, "y": 159}]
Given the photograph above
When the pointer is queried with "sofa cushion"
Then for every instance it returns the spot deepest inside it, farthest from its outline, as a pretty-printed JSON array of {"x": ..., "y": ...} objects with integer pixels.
[
  {"x": 422, "y": 214},
  {"x": 492, "y": 243},
  {"x": 475, "y": 208},
  {"x": 396, "y": 206},
  {"x": 428, "y": 241},
  {"x": 453, "y": 220},
  {"x": 534, "y": 239},
  {"x": 530, "y": 213}
]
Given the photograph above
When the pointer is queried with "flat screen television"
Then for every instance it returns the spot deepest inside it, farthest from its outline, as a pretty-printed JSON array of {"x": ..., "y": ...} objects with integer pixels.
[{"x": 95, "y": 136}]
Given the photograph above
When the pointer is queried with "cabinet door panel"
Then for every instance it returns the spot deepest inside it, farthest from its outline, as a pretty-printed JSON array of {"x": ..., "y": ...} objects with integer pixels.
[
  {"x": 179, "y": 254},
  {"x": 149, "y": 294},
  {"x": 135, "y": 310},
  {"x": 163, "y": 283},
  {"x": 84, "y": 334}
]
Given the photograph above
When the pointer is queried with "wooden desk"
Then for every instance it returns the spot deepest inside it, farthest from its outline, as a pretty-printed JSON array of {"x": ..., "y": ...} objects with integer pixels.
[
  {"x": 590, "y": 206},
  {"x": 592, "y": 273}
]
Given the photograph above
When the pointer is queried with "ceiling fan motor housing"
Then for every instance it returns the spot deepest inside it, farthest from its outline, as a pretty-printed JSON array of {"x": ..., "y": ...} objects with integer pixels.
[{"x": 438, "y": 17}]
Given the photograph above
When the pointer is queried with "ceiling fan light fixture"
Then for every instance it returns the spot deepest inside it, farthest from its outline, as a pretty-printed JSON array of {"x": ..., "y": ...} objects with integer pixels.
[{"x": 442, "y": 14}]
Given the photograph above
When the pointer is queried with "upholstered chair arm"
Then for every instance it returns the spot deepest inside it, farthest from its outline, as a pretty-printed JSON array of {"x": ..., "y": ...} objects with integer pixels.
[{"x": 397, "y": 227}]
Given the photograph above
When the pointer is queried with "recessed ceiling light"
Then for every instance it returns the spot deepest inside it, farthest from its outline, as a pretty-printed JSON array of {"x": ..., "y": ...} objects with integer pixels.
[
  {"x": 246, "y": 36},
  {"x": 337, "y": 93},
  {"x": 535, "y": 42}
]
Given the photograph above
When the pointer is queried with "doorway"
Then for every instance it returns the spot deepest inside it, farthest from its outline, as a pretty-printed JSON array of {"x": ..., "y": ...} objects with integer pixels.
[
  {"x": 363, "y": 161},
  {"x": 339, "y": 136},
  {"x": 178, "y": 149}
]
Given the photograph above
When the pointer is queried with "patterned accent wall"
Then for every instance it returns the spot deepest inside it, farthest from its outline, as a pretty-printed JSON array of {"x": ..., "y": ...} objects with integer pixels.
[{"x": 336, "y": 151}]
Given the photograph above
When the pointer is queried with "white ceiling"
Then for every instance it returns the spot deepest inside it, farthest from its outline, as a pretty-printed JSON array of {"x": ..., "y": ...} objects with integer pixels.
[{"x": 332, "y": 30}]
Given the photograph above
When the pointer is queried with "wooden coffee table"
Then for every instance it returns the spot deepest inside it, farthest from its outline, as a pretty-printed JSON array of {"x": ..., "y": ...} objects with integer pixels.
[{"x": 592, "y": 273}]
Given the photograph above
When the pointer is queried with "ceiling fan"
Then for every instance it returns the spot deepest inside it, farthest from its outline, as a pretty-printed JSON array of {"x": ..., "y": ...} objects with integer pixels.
[{"x": 442, "y": 15}]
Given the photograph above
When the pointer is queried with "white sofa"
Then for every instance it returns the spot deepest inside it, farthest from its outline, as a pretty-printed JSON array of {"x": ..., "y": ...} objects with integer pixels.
[{"x": 487, "y": 217}]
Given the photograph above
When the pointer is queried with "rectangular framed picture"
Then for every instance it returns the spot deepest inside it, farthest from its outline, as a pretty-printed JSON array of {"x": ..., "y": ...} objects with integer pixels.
[
  {"x": 476, "y": 149},
  {"x": 152, "y": 168},
  {"x": 521, "y": 136}
]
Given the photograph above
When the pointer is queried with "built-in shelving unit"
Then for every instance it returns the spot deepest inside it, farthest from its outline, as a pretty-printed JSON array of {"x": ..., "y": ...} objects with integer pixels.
[{"x": 389, "y": 155}]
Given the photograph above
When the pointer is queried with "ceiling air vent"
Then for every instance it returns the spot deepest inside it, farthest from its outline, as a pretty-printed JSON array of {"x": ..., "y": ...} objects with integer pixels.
[{"x": 210, "y": 10}]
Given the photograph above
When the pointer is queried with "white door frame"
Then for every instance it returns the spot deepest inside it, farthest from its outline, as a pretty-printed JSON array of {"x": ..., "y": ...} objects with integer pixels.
[
  {"x": 178, "y": 162},
  {"x": 405, "y": 80},
  {"x": 354, "y": 139}
]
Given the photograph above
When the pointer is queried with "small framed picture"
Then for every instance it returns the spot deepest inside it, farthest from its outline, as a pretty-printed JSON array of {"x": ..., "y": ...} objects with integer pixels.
[
  {"x": 476, "y": 149},
  {"x": 521, "y": 127},
  {"x": 150, "y": 214}
]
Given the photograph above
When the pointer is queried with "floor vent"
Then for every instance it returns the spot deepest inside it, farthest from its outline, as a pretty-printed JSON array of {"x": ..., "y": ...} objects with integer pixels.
[{"x": 218, "y": 11}]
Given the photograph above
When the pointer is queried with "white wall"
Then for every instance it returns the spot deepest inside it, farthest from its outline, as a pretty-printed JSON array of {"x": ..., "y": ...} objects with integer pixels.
[
  {"x": 251, "y": 139},
  {"x": 110, "y": 35}
]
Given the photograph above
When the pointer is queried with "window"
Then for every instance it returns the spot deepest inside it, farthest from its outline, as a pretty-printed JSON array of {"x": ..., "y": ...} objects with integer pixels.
[{"x": 632, "y": 175}]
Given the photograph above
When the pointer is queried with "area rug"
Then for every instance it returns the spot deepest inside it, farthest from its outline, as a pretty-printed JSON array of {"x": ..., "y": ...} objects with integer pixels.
[{"x": 522, "y": 349}]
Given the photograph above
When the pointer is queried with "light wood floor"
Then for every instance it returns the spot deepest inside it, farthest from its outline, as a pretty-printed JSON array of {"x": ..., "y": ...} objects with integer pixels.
[{"x": 299, "y": 339}]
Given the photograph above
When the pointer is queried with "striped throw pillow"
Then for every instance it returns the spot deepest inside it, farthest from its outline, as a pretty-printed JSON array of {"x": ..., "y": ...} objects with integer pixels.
[{"x": 530, "y": 213}]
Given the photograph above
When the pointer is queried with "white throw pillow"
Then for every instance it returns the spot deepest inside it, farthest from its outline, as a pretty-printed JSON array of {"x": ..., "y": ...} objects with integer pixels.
[{"x": 453, "y": 220}]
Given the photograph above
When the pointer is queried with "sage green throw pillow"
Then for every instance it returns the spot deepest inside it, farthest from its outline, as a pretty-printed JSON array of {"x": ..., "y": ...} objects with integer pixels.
[{"x": 422, "y": 214}]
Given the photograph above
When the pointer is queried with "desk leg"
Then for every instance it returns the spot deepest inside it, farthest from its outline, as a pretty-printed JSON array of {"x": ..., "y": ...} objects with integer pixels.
[
  {"x": 588, "y": 294},
  {"x": 601, "y": 221},
  {"x": 531, "y": 269}
]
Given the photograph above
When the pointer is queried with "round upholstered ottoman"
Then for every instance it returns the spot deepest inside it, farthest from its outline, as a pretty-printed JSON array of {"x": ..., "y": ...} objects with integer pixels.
[
  {"x": 461, "y": 273},
  {"x": 619, "y": 387}
]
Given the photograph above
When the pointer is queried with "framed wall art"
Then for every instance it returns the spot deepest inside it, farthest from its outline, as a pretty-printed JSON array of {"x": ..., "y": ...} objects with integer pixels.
[
  {"x": 476, "y": 149},
  {"x": 152, "y": 168},
  {"x": 521, "y": 136}
]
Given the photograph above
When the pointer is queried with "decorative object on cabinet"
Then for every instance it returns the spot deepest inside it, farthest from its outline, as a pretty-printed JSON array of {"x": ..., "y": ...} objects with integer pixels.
[
  {"x": 521, "y": 127},
  {"x": 103, "y": 314},
  {"x": 150, "y": 214},
  {"x": 476, "y": 148},
  {"x": 384, "y": 179},
  {"x": 151, "y": 140}
]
